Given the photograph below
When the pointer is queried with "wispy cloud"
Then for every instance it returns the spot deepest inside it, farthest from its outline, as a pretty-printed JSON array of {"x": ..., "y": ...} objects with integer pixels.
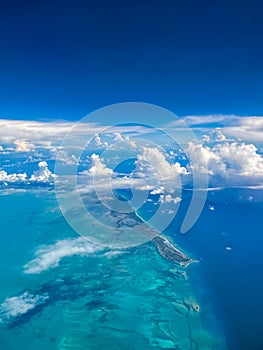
[
  {"x": 19, "y": 305},
  {"x": 50, "y": 256}
]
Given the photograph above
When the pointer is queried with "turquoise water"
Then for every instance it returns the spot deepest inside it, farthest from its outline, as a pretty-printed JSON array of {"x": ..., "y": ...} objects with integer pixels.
[{"x": 58, "y": 292}]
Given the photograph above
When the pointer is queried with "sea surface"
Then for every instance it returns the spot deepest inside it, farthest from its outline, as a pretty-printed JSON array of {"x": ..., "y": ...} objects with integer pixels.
[{"x": 59, "y": 291}]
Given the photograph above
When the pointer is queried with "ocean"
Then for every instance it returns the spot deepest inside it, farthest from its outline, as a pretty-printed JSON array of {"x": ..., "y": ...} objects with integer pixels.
[{"x": 59, "y": 291}]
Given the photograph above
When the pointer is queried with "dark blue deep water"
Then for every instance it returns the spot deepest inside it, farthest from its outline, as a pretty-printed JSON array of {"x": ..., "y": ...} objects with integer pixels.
[{"x": 228, "y": 241}]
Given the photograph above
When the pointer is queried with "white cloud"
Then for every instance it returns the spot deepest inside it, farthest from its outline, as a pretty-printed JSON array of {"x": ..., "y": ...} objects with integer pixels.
[
  {"x": 247, "y": 129},
  {"x": 228, "y": 248},
  {"x": 153, "y": 162},
  {"x": 23, "y": 146},
  {"x": 113, "y": 253},
  {"x": 214, "y": 136},
  {"x": 169, "y": 199},
  {"x": 203, "y": 158},
  {"x": 98, "y": 167},
  {"x": 97, "y": 140},
  {"x": 103, "y": 179},
  {"x": 54, "y": 132},
  {"x": 242, "y": 128},
  {"x": 132, "y": 143},
  {"x": 99, "y": 143},
  {"x": 49, "y": 256},
  {"x": 231, "y": 163},
  {"x": 5, "y": 177},
  {"x": 30, "y": 131},
  {"x": 63, "y": 156},
  {"x": 43, "y": 174},
  {"x": 158, "y": 190},
  {"x": 206, "y": 138},
  {"x": 193, "y": 120},
  {"x": 218, "y": 135},
  {"x": 242, "y": 159},
  {"x": 19, "y": 305},
  {"x": 146, "y": 188},
  {"x": 151, "y": 172},
  {"x": 118, "y": 136},
  {"x": 11, "y": 131}
]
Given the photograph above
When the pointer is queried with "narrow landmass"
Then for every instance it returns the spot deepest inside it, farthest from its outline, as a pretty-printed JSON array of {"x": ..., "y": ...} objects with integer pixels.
[{"x": 170, "y": 252}]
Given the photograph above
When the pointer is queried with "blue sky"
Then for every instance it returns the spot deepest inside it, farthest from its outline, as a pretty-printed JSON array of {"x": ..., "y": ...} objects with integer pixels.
[{"x": 65, "y": 59}]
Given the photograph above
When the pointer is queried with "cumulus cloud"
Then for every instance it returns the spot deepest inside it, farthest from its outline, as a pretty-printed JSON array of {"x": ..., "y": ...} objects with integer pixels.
[
  {"x": 153, "y": 162},
  {"x": 98, "y": 167},
  {"x": 169, "y": 199},
  {"x": 206, "y": 138},
  {"x": 118, "y": 136},
  {"x": 63, "y": 156},
  {"x": 43, "y": 174},
  {"x": 23, "y": 146},
  {"x": 241, "y": 159},
  {"x": 233, "y": 163},
  {"x": 19, "y": 305},
  {"x": 97, "y": 140},
  {"x": 47, "y": 257},
  {"x": 5, "y": 177},
  {"x": 158, "y": 190},
  {"x": 103, "y": 179},
  {"x": 204, "y": 159},
  {"x": 218, "y": 134},
  {"x": 153, "y": 173},
  {"x": 214, "y": 136}
]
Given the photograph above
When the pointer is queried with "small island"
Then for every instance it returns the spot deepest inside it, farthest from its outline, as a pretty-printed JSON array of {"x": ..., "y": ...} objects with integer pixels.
[{"x": 170, "y": 252}]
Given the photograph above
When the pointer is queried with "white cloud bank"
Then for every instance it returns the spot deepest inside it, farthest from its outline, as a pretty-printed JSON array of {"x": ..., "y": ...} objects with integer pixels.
[
  {"x": 153, "y": 173},
  {"x": 229, "y": 163},
  {"x": 34, "y": 132},
  {"x": 233, "y": 163},
  {"x": 247, "y": 129},
  {"x": 242, "y": 128}
]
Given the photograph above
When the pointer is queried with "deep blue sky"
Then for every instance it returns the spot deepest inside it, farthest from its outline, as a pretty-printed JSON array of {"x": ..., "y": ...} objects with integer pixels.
[{"x": 64, "y": 59}]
